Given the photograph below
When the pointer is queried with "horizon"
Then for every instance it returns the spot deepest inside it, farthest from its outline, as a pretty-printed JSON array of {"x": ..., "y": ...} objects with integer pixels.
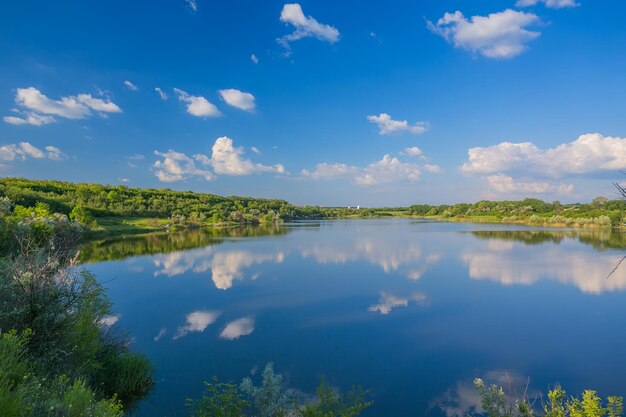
[{"x": 319, "y": 103}]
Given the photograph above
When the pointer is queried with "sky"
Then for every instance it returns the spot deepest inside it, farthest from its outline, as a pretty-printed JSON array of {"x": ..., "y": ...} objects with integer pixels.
[{"x": 319, "y": 102}]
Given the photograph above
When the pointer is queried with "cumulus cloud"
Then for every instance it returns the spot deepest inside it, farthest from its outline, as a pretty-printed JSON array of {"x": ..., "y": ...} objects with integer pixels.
[
  {"x": 389, "y": 301},
  {"x": 254, "y": 59},
  {"x": 54, "y": 153},
  {"x": 498, "y": 35},
  {"x": 130, "y": 85},
  {"x": 29, "y": 118},
  {"x": 414, "y": 151},
  {"x": 177, "y": 166},
  {"x": 305, "y": 26},
  {"x": 589, "y": 153},
  {"x": 24, "y": 150},
  {"x": 197, "y": 105},
  {"x": 389, "y": 169},
  {"x": 433, "y": 169},
  {"x": 552, "y": 4},
  {"x": 161, "y": 93},
  {"x": 238, "y": 99},
  {"x": 504, "y": 184},
  {"x": 41, "y": 109},
  {"x": 225, "y": 159},
  {"x": 388, "y": 126},
  {"x": 197, "y": 321},
  {"x": 237, "y": 328}
]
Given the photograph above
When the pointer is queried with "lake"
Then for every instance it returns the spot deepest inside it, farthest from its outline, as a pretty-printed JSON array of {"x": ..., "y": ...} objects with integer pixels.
[{"x": 411, "y": 310}]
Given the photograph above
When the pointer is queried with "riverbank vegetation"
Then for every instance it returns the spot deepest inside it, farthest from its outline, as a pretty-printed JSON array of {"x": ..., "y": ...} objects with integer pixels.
[
  {"x": 60, "y": 353},
  {"x": 106, "y": 209},
  {"x": 271, "y": 399},
  {"x": 496, "y": 403}
]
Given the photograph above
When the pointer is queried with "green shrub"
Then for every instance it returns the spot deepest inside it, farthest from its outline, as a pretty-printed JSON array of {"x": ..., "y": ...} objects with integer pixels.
[
  {"x": 219, "y": 400},
  {"x": 127, "y": 375},
  {"x": 83, "y": 216},
  {"x": 497, "y": 404}
]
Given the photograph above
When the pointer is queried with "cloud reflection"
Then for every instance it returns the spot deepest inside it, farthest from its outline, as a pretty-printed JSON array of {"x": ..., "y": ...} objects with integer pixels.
[
  {"x": 225, "y": 266},
  {"x": 525, "y": 265},
  {"x": 237, "y": 328},
  {"x": 388, "y": 302},
  {"x": 197, "y": 321},
  {"x": 390, "y": 255},
  {"x": 463, "y": 399}
]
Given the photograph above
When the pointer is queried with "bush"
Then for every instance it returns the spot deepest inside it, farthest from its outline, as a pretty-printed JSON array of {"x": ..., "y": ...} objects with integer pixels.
[
  {"x": 127, "y": 375},
  {"x": 497, "y": 404},
  {"x": 58, "y": 308},
  {"x": 23, "y": 393},
  {"x": 271, "y": 399},
  {"x": 81, "y": 215}
]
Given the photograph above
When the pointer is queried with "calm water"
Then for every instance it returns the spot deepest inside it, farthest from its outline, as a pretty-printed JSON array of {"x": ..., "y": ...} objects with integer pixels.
[{"x": 411, "y": 310}]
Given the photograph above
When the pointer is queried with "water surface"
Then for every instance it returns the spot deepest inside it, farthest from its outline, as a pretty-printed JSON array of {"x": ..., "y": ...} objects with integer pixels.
[{"x": 411, "y": 310}]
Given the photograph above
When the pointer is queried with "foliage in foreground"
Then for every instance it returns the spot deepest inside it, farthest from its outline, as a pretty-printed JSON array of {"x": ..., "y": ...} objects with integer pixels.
[
  {"x": 61, "y": 355},
  {"x": 23, "y": 393},
  {"x": 271, "y": 399},
  {"x": 496, "y": 404}
]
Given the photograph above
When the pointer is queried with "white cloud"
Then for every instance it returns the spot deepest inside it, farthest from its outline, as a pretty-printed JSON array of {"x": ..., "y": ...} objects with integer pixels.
[
  {"x": 197, "y": 105},
  {"x": 504, "y": 184},
  {"x": 98, "y": 104},
  {"x": 161, "y": 93},
  {"x": 237, "y": 328},
  {"x": 25, "y": 150},
  {"x": 177, "y": 166},
  {"x": 387, "y": 126},
  {"x": 498, "y": 35},
  {"x": 55, "y": 153},
  {"x": 225, "y": 159},
  {"x": 31, "y": 151},
  {"x": 389, "y": 301},
  {"x": 41, "y": 108},
  {"x": 589, "y": 153},
  {"x": 433, "y": 169},
  {"x": 255, "y": 150},
  {"x": 30, "y": 118},
  {"x": 414, "y": 151},
  {"x": 552, "y": 4},
  {"x": 238, "y": 99},
  {"x": 305, "y": 26},
  {"x": 130, "y": 85},
  {"x": 197, "y": 321},
  {"x": 388, "y": 169},
  {"x": 254, "y": 59},
  {"x": 193, "y": 5}
]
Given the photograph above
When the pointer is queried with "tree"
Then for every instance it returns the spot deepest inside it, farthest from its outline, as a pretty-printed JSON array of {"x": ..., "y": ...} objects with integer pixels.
[{"x": 81, "y": 215}]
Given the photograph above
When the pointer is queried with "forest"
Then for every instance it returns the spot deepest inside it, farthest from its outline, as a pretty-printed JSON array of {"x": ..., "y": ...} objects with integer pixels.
[{"x": 121, "y": 209}]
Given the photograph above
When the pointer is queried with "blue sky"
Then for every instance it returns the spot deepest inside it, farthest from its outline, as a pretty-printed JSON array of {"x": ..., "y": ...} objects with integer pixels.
[{"x": 319, "y": 102}]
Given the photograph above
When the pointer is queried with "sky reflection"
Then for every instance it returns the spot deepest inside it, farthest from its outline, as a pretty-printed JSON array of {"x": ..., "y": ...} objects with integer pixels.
[{"x": 440, "y": 302}]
